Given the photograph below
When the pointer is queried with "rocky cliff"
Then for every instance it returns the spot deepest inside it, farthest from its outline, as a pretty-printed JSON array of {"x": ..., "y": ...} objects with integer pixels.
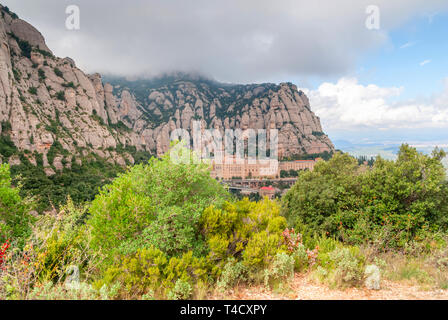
[
  {"x": 48, "y": 105},
  {"x": 153, "y": 108}
]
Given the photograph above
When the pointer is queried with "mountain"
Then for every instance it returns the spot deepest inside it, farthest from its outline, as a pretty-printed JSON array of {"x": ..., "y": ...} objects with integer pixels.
[
  {"x": 157, "y": 106},
  {"x": 55, "y": 115}
]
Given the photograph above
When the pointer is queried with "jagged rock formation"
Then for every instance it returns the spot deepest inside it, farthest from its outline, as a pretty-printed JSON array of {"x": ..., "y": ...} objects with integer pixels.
[
  {"x": 153, "y": 108},
  {"x": 48, "y": 103}
]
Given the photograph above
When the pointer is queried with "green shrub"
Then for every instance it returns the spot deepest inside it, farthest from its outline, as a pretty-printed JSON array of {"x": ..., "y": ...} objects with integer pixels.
[
  {"x": 233, "y": 273},
  {"x": 250, "y": 230},
  {"x": 69, "y": 85},
  {"x": 281, "y": 269},
  {"x": 182, "y": 290},
  {"x": 173, "y": 233},
  {"x": 17, "y": 74},
  {"x": 58, "y": 72},
  {"x": 137, "y": 273},
  {"x": 344, "y": 267},
  {"x": 150, "y": 270},
  {"x": 60, "y": 242},
  {"x": 189, "y": 267},
  {"x": 25, "y": 46},
  {"x": 300, "y": 257},
  {"x": 41, "y": 74},
  {"x": 15, "y": 220},
  {"x": 60, "y": 95},
  {"x": 32, "y": 90},
  {"x": 7, "y": 146},
  {"x": 261, "y": 248},
  {"x": 355, "y": 203},
  {"x": 170, "y": 195}
]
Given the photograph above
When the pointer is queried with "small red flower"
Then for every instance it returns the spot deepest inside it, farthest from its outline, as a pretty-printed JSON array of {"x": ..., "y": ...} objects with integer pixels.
[{"x": 3, "y": 250}]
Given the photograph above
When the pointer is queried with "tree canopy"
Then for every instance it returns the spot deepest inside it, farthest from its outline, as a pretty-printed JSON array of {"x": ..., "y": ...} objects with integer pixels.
[{"x": 355, "y": 202}]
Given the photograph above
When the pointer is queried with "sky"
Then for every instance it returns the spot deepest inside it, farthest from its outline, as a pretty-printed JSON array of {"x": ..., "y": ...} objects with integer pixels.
[{"x": 374, "y": 75}]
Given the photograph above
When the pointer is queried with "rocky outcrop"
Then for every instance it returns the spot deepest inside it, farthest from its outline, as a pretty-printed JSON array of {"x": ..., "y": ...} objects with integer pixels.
[
  {"x": 23, "y": 30},
  {"x": 48, "y": 104},
  {"x": 170, "y": 103}
]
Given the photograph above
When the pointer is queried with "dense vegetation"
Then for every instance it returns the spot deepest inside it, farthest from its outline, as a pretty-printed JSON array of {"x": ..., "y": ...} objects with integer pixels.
[
  {"x": 15, "y": 222},
  {"x": 81, "y": 182},
  {"x": 394, "y": 200},
  {"x": 80, "y": 179},
  {"x": 163, "y": 230}
]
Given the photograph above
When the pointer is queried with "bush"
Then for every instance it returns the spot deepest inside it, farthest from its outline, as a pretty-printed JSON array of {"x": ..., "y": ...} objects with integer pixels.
[
  {"x": 71, "y": 85},
  {"x": 60, "y": 95},
  {"x": 172, "y": 196},
  {"x": 182, "y": 291},
  {"x": 343, "y": 267},
  {"x": 137, "y": 273},
  {"x": 15, "y": 220},
  {"x": 252, "y": 231},
  {"x": 7, "y": 146},
  {"x": 60, "y": 242},
  {"x": 58, "y": 72},
  {"x": 261, "y": 248},
  {"x": 300, "y": 256},
  {"x": 57, "y": 245},
  {"x": 41, "y": 74},
  {"x": 355, "y": 203},
  {"x": 25, "y": 46},
  {"x": 32, "y": 90},
  {"x": 173, "y": 233},
  {"x": 150, "y": 270},
  {"x": 282, "y": 269},
  {"x": 232, "y": 274}
]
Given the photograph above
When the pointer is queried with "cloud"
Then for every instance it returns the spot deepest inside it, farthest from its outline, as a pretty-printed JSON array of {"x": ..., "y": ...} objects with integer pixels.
[
  {"x": 431, "y": 16},
  {"x": 233, "y": 40},
  {"x": 408, "y": 45},
  {"x": 424, "y": 62},
  {"x": 349, "y": 105}
]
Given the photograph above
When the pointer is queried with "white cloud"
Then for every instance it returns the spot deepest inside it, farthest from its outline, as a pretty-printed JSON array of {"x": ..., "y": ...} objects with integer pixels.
[
  {"x": 431, "y": 16},
  {"x": 424, "y": 62},
  {"x": 408, "y": 45},
  {"x": 350, "y": 105},
  {"x": 232, "y": 40}
]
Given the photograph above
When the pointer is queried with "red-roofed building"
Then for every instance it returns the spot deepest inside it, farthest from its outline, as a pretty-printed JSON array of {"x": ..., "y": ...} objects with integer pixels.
[{"x": 267, "y": 192}]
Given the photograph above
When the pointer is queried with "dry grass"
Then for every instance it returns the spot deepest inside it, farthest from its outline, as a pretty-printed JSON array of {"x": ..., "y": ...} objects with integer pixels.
[
  {"x": 303, "y": 287},
  {"x": 419, "y": 275}
]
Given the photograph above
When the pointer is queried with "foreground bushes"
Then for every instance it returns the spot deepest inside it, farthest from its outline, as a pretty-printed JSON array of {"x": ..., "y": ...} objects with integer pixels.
[
  {"x": 161, "y": 230},
  {"x": 56, "y": 245},
  {"x": 242, "y": 239},
  {"x": 152, "y": 271},
  {"x": 169, "y": 231},
  {"x": 157, "y": 204},
  {"x": 251, "y": 231},
  {"x": 15, "y": 220},
  {"x": 395, "y": 201},
  {"x": 342, "y": 267}
]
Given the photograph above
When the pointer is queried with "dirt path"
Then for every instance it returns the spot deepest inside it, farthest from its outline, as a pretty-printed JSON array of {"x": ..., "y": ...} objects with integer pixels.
[{"x": 303, "y": 288}]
